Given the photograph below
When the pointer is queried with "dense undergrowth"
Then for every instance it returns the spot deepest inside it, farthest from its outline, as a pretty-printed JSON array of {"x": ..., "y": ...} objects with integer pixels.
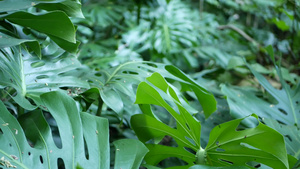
[{"x": 150, "y": 84}]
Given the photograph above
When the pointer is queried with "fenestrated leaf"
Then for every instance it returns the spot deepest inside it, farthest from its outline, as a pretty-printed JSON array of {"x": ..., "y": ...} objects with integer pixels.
[
  {"x": 229, "y": 146},
  {"x": 9, "y": 41},
  {"x": 125, "y": 77},
  {"x": 30, "y": 76},
  {"x": 187, "y": 133},
  {"x": 55, "y": 24},
  {"x": 74, "y": 127},
  {"x": 291, "y": 136},
  {"x": 129, "y": 153}
]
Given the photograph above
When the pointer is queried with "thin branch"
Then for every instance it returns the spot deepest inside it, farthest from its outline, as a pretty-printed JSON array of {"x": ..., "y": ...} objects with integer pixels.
[{"x": 241, "y": 32}]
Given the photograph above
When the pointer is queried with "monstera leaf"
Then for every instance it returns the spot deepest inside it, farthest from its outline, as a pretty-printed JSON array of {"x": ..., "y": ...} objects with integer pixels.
[
  {"x": 84, "y": 139},
  {"x": 30, "y": 76},
  {"x": 119, "y": 83},
  {"x": 228, "y": 145}
]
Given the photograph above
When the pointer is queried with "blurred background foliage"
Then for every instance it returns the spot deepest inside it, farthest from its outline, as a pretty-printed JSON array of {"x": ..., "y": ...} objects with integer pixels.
[{"x": 220, "y": 43}]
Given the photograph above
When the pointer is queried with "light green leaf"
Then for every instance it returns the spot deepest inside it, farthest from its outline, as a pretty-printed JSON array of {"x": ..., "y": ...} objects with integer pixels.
[
  {"x": 157, "y": 91},
  {"x": 159, "y": 152},
  {"x": 230, "y": 146}
]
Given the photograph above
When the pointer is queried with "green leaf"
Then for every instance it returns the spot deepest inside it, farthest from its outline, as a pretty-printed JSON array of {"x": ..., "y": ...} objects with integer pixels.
[
  {"x": 244, "y": 102},
  {"x": 30, "y": 76},
  {"x": 157, "y": 91},
  {"x": 291, "y": 136},
  {"x": 55, "y": 24},
  {"x": 230, "y": 146},
  {"x": 73, "y": 129},
  {"x": 121, "y": 82},
  {"x": 84, "y": 138},
  {"x": 211, "y": 167},
  {"x": 159, "y": 152},
  {"x": 280, "y": 24},
  {"x": 9, "y": 41},
  {"x": 129, "y": 153},
  {"x": 71, "y": 8}
]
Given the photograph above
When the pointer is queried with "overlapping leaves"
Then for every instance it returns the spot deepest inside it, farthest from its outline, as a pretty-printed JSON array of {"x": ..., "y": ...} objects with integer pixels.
[
  {"x": 226, "y": 145},
  {"x": 76, "y": 130},
  {"x": 30, "y": 76},
  {"x": 119, "y": 83}
]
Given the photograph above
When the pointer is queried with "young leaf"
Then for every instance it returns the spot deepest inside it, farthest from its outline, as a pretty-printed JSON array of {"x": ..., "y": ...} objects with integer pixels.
[
  {"x": 229, "y": 146},
  {"x": 157, "y": 91}
]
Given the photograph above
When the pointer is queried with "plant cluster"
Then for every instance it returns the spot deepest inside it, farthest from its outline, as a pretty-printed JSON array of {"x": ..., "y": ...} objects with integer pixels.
[{"x": 101, "y": 84}]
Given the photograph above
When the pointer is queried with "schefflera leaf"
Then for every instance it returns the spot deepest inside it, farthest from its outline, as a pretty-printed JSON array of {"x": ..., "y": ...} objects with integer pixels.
[
  {"x": 227, "y": 146},
  {"x": 84, "y": 138},
  {"x": 157, "y": 91}
]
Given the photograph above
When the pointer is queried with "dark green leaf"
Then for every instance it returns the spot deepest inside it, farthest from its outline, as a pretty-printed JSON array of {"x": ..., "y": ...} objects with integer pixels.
[{"x": 55, "y": 24}]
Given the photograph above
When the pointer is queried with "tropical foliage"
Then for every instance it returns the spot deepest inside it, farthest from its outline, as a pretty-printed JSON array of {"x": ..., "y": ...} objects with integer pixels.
[{"x": 149, "y": 84}]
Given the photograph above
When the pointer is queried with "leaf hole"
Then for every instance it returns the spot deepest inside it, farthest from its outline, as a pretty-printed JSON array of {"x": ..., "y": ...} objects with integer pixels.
[
  {"x": 86, "y": 150},
  {"x": 220, "y": 150},
  {"x": 226, "y": 161},
  {"x": 282, "y": 111},
  {"x": 41, "y": 159},
  {"x": 54, "y": 130},
  {"x": 130, "y": 72},
  {"x": 42, "y": 77},
  {"x": 248, "y": 146},
  {"x": 1, "y": 132},
  {"x": 288, "y": 137},
  {"x": 190, "y": 140},
  {"x": 255, "y": 164},
  {"x": 29, "y": 153},
  {"x": 60, "y": 163},
  {"x": 190, "y": 150},
  {"x": 10, "y": 145},
  {"x": 98, "y": 74},
  {"x": 151, "y": 64},
  {"x": 172, "y": 162},
  {"x": 90, "y": 81},
  {"x": 187, "y": 126},
  {"x": 37, "y": 64}
]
